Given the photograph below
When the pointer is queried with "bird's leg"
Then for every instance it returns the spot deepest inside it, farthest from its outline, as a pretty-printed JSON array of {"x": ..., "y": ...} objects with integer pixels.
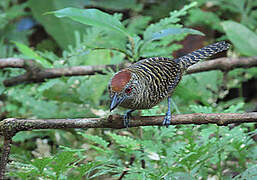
[
  {"x": 126, "y": 118},
  {"x": 167, "y": 118}
]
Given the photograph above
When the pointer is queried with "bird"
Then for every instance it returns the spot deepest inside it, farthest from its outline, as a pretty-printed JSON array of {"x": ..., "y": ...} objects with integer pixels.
[{"x": 147, "y": 82}]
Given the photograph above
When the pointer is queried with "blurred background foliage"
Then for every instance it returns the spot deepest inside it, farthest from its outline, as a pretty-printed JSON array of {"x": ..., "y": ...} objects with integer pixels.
[{"x": 149, "y": 28}]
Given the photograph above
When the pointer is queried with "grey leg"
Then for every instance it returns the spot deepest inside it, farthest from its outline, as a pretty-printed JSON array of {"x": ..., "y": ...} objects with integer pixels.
[
  {"x": 167, "y": 119},
  {"x": 127, "y": 116}
]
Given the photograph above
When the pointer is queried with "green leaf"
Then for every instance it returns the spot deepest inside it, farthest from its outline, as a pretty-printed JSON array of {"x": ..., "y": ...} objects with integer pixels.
[
  {"x": 237, "y": 108},
  {"x": 47, "y": 85},
  {"x": 250, "y": 173},
  {"x": 138, "y": 24},
  {"x": 179, "y": 175},
  {"x": 128, "y": 143},
  {"x": 96, "y": 139},
  {"x": 41, "y": 163},
  {"x": 201, "y": 109},
  {"x": 32, "y": 54},
  {"x": 85, "y": 169},
  {"x": 62, "y": 162},
  {"x": 117, "y": 5},
  {"x": 165, "y": 28},
  {"x": 198, "y": 16},
  {"x": 244, "y": 39},
  {"x": 172, "y": 31},
  {"x": 61, "y": 30},
  {"x": 92, "y": 17},
  {"x": 22, "y": 136},
  {"x": 68, "y": 149},
  {"x": 97, "y": 86},
  {"x": 2, "y": 88},
  {"x": 164, "y": 23}
]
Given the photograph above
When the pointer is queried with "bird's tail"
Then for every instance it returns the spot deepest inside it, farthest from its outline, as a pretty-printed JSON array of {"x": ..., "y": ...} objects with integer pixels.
[{"x": 203, "y": 53}]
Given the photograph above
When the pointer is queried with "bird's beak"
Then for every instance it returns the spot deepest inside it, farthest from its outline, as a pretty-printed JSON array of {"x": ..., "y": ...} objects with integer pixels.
[{"x": 116, "y": 100}]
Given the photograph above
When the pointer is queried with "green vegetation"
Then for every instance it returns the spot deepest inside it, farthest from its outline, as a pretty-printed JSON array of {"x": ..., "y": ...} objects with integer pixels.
[{"x": 58, "y": 33}]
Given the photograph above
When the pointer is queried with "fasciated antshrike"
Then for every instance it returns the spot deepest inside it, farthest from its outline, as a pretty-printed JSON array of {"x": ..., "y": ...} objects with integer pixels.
[{"x": 147, "y": 82}]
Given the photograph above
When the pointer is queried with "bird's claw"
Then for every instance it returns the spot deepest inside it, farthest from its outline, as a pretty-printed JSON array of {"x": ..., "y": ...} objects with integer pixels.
[{"x": 167, "y": 120}]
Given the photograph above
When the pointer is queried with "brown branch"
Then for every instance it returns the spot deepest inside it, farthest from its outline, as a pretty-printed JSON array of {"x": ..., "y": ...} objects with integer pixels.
[
  {"x": 12, "y": 63},
  {"x": 12, "y": 125},
  {"x": 9, "y": 127},
  {"x": 39, "y": 74},
  {"x": 223, "y": 64},
  {"x": 48, "y": 73}
]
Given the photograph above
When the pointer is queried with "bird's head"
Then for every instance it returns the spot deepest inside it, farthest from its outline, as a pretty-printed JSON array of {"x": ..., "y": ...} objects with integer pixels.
[{"x": 121, "y": 88}]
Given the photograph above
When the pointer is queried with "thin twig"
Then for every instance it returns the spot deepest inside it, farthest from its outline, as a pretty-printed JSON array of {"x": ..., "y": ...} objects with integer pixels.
[
  {"x": 132, "y": 159},
  {"x": 223, "y": 64}
]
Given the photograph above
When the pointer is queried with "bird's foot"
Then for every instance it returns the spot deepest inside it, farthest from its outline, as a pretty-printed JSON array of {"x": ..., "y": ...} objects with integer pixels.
[
  {"x": 167, "y": 120},
  {"x": 126, "y": 118}
]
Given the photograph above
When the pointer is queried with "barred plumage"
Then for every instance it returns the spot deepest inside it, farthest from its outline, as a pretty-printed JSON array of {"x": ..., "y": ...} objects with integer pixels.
[
  {"x": 203, "y": 53},
  {"x": 156, "y": 78},
  {"x": 147, "y": 82}
]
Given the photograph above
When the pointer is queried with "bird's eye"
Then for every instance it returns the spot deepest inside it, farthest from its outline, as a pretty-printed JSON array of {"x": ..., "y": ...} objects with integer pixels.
[{"x": 128, "y": 90}]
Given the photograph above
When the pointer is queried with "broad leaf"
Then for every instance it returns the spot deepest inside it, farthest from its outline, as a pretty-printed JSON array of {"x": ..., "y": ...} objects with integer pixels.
[
  {"x": 173, "y": 31},
  {"x": 92, "y": 17},
  {"x": 32, "y": 54},
  {"x": 244, "y": 39},
  {"x": 61, "y": 30}
]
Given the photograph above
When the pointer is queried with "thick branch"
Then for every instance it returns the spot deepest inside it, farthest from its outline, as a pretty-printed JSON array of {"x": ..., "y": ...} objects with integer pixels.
[
  {"x": 9, "y": 127},
  {"x": 13, "y": 125},
  {"x": 39, "y": 75}
]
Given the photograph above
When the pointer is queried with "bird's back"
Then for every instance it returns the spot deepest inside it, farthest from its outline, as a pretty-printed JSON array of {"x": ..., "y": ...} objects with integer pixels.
[{"x": 158, "y": 77}]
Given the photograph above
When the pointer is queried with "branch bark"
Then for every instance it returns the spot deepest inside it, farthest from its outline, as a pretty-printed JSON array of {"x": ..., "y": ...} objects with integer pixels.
[
  {"x": 10, "y": 126},
  {"x": 223, "y": 64},
  {"x": 39, "y": 74}
]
